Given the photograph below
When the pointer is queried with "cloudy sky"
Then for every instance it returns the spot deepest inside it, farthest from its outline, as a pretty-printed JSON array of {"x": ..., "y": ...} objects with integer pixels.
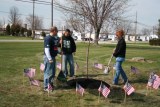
[{"x": 148, "y": 11}]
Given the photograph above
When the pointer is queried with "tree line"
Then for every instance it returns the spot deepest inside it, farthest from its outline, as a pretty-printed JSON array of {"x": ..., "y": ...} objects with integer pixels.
[{"x": 16, "y": 25}]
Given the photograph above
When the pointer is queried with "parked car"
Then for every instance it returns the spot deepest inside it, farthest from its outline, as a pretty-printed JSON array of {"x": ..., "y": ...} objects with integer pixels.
[
  {"x": 138, "y": 39},
  {"x": 75, "y": 37},
  {"x": 87, "y": 39},
  {"x": 103, "y": 38}
]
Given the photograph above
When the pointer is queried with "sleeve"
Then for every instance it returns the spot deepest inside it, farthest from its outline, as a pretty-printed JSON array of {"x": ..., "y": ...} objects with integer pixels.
[
  {"x": 47, "y": 48},
  {"x": 74, "y": 45}
]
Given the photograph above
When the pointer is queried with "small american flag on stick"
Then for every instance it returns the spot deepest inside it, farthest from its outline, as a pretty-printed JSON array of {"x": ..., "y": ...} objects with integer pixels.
[
  {"x": 134, "y": 70},
  {"x": 128, "y": 88},
  {"x": 59, "y": 66},
  {"x": 50, "y": 88},
  {"x": 76, "y": 66},
  {"x": 151, "y": 79},
  {"x": 34, "y": 82},
  {"x": 79, "y": 89},
  {"x": 42, "y": 67},
  {"x": 29, "y": 72},
  {"x": 98, "y": 66},
  {"x": 104, "y": 90},
  {"x": 156, "y": 82}
]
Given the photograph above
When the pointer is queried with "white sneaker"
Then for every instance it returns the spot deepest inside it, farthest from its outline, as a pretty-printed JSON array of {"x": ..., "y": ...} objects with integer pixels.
[{"x": 46, "y": 90}]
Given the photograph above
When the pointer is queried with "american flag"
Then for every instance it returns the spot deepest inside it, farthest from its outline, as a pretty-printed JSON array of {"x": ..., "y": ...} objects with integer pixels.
[
  {"x": 42, "y": 67},
  {"x": 151, "y": 79},
  {"x": 50, "y": 87},
  {"x": 29, "y": 72},
  {"x": 156, "y": 82},
  {"x": 134, "y": 70},
  {"x": 97, "y": 65},
  {"x": 128, "y": 88},
  {"x": 104, "y": 90},
  {"x": 34, "y": 82},
  {"x": 79, "y": 89},
  {"x": 59, "y": 66},
  {"x": 76, "y": 66}
]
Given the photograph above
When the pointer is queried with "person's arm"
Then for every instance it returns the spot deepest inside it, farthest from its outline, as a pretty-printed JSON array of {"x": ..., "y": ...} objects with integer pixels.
[
  {"x": 47, "y": 49},
  {"x": 73, "y": 45}
]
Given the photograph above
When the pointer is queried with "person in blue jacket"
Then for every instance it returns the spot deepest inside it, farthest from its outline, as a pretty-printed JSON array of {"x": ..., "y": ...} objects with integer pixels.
[{"x": 51, "y": 43}]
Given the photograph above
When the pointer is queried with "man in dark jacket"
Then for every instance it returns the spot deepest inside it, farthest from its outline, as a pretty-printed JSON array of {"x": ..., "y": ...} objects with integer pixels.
[
  {"x": 68, "y": 48},
  {"x": 120, "y": 53}
]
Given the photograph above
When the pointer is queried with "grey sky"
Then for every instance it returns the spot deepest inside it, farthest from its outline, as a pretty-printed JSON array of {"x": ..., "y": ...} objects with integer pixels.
[{"x": 148, "y": 11}]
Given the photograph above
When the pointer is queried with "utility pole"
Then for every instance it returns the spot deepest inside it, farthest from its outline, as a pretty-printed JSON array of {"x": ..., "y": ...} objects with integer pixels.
[
  {"x": 136, "y": 27},
  {"x": 51, "y": 13},
  {"x": 33, "y": 24}
]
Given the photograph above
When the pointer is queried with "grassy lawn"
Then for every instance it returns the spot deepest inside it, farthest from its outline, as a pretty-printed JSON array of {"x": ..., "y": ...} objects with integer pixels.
[
  {"x": 14, "y": 38},
  {"x": 14, "y": 57}
]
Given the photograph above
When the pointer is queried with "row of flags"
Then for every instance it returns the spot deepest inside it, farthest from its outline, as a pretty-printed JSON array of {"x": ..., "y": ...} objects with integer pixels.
[{"x": 105, "y": 91}]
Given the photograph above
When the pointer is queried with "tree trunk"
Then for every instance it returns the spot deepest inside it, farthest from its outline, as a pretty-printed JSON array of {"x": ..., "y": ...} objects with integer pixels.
[{"x": 96, "y": 36}]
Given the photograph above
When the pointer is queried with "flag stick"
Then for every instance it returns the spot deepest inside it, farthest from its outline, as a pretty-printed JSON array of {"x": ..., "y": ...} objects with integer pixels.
[
  {"x": 99, "y": 93},
  {"x": 147, "y": 90},
  {"x": 125, "y": 96}
]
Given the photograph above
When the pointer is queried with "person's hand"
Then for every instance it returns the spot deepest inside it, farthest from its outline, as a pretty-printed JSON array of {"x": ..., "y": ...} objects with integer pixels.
[
  {"x": 50, "y": 61},
  {"x": 74, "y": 53},
  {"x": 114, "y": 50},
  {"x": 60, "y": 41}
]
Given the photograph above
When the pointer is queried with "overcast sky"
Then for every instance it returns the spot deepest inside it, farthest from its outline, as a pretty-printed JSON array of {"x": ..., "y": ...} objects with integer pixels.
[{"x": 148, "y": 11}]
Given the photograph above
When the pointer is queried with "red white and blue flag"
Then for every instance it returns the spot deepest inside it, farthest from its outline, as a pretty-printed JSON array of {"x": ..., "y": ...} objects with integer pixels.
[
  {"x": 50, "y": 88},
  {"x": 59, "y": 66},
  {"x": 128, "y": 88},
  {"x": 34, "y": 82},
  {"x": 29, "y": 72},
  {"x": 104, "y": 90},
  {"x": 98, "y": 66},
  {"x": 151, "y": 79},
  {"x": 156, "y": 82},
  {"x": 76, "y": 66},
  {"x": 42, "y": 67},
  {"x": 134, "y": 70},
  {"x": 79, "y": 89}
]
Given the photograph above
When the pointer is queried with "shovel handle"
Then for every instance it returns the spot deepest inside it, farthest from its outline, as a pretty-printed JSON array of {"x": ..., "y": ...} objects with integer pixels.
[{"x": 110, "y": 60}]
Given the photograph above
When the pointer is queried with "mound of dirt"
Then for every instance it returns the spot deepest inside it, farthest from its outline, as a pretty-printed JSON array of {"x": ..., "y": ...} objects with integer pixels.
[{"x": 140, "y": 59}]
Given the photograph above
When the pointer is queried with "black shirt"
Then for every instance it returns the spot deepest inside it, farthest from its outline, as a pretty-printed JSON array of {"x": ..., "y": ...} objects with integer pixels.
[
  {"x": 120, "y": 48},
  {"x": 68, "y": 45}
]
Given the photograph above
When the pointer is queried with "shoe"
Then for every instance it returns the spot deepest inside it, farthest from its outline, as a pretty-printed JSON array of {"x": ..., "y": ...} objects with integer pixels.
[
  {"x": 72, "y": 77},
  {"x": 46, "y": 90}
]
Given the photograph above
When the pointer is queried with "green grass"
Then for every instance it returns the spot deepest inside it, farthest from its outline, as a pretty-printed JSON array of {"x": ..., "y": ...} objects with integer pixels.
[
  {"x": 14, "y": 38},
  {"x": 14, "y": 57}
]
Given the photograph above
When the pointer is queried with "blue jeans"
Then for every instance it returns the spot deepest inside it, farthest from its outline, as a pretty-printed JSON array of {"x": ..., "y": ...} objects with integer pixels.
[
  {"x": 119, "y": 70},
  {"x": 49, "y": 71},
  {"x": 68, "y": 58}
]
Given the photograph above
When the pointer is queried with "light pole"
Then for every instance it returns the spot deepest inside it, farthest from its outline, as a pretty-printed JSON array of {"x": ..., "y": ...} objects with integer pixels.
[
  {"x": 51, "y": 13},
  {"x": 33, "y": 24}
]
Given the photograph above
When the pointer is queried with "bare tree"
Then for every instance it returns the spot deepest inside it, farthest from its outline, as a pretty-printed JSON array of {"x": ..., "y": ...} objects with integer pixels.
[
  {"x": 14, "y": 16},
  {"x": 96, "y": 12},
  {"x": 1, "y": 24},
  {"x": 146, "y": 31},
  {"x": 38, "y": 21}
]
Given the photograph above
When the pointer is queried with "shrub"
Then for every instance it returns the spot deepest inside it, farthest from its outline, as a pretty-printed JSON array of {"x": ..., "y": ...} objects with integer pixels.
[{"x": 155, "y": 42}]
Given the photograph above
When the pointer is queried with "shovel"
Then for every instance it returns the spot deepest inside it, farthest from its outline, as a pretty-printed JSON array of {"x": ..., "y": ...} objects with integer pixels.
[
  {"x": 61, "y": 77},
  {"x": 107, "y": 69}
]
